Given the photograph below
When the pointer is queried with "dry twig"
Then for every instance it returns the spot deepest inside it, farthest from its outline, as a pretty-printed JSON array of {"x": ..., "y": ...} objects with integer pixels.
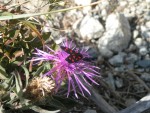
[{"x": 139, "y": 80}]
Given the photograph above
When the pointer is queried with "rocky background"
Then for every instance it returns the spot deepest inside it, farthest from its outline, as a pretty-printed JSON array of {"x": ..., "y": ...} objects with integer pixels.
[{"x": 117, "y": 33}]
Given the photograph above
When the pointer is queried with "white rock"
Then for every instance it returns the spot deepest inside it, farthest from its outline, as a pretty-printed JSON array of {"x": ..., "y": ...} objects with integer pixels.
[
  {"x": 139, "y": 11},
  {"x": 147, "y": 15},
  {"x": 133, "y": 9},
  {"x": 104, "y": 12},
  {"x": 135, "y": 33},
  {"x": 147, "y": 24},
  {"x": 138, "y": 42},
  {"x": 123, "y": 3},
  {"x": 83, "y": 3},
  {"x": 148, "y": 1},
  {"x": 90, "y": 28},
  {"x": 145, "y": 31},
  {"x": 143, "y": 28},
  {"x": 143, "y": 50},
  {"x": 126, "y": 11},
  {"x": 132, "y": 2},
  {"x": 145, "y": 77},
  {"x": 104, "y": 4},
  {"x": 117, "y": 35}
]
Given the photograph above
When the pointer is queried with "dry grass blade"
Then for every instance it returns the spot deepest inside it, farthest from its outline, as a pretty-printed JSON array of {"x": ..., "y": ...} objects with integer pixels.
[
  {"x": 37, "y": 14},
  {"x": 34, "y": 29}
]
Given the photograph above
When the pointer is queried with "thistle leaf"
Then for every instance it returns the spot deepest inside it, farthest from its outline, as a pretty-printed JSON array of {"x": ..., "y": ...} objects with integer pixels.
[{"x": 3, "y": 74}]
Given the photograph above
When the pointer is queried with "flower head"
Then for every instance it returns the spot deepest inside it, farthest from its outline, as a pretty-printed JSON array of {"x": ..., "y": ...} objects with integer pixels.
[
  {"x": 40, "y": 87},
  {"x": 69, "y": 64}
]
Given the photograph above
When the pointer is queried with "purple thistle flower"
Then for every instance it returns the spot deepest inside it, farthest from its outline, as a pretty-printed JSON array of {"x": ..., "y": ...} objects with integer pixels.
[{"x": 71, "y": 70}]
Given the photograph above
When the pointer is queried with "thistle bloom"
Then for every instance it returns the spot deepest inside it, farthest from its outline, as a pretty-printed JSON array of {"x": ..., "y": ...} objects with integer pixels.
[
  {"x": 69, "y": 64},
  {"x": 40, "y": 87}
]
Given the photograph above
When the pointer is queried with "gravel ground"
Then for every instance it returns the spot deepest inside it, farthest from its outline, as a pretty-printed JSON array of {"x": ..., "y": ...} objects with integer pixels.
[{"x": 117, "y": 34}]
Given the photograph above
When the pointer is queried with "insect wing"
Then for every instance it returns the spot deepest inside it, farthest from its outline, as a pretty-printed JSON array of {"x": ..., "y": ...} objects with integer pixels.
[
  {"x": 74, "y": 58},
  {"x": 67, "y": 50},
  {"x": 69, "y": 59}
]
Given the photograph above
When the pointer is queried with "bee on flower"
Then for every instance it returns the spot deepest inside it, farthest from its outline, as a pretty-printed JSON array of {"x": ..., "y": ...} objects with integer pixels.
[{"x": 69, "y": 64}]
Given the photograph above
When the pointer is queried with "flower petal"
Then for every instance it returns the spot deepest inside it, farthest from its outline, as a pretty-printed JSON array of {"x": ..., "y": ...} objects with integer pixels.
[{"x": 82, "y": 84}]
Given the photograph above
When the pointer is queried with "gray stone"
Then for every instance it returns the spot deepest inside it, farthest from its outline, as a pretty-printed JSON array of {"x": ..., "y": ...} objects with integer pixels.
[
  {"x": 117, "y": 35},
  {"x": 132, "y": 48},
  {"x": 120, "y": 69},
  {"x": 117, "y": 60},
  {"x": 131, "y": 58},
  {"x": 143, "y": 63},
  {"x": 147, "y": 70},
  {"x": 90, "y": 111},
  {"x": 141, "y": 70},
  {"x": 130, "y": 66},
  {"x": 145, "y": 77},
  {"x": 105, "y": 52},
  {"x": 147, "y": 57},
  {"x": 118, "y": 82},
  {"x": 147, "y": 15},
  {"x": 93, "y": 53},
  {"x": 110, "y": 81},
  {"x": 139, "y": 87}
]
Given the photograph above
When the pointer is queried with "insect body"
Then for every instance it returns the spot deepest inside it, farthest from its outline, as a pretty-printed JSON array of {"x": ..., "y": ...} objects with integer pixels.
[{"x": 73, "y": 57}]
